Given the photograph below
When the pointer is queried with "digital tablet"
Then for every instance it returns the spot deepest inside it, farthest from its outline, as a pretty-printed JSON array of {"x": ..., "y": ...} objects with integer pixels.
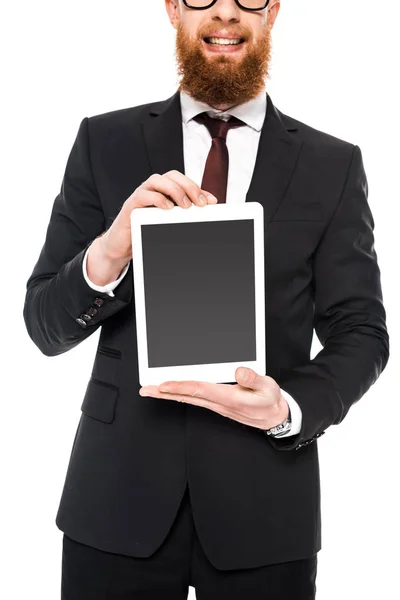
[{"x": 198, "y": 278}]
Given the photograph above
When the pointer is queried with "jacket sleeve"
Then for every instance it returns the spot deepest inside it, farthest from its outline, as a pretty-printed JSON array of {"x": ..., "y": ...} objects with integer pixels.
[
  {"x": 60, "y": 308},
  {"x": 349, "y": 317}
]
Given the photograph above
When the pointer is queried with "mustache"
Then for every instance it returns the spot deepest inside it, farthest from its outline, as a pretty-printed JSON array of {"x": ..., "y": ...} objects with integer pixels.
[{"x": 244, "y": 34}]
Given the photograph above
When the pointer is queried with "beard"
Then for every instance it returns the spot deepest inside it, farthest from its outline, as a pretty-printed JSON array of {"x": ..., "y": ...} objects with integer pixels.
[{"x": 222, "y": 80}]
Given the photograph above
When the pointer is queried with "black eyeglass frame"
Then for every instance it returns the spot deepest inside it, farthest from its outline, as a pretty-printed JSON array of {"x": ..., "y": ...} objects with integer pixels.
[{"x": 185, "y": 2}]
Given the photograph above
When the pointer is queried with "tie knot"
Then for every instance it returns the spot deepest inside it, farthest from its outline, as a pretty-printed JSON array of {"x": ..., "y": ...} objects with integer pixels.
[{"x": 217, "y": 127}]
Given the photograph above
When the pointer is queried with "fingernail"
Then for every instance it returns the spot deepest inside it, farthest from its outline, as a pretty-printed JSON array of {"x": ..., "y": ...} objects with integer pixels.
[
  {"x": 243, "y": 373},
  {"x": 202, "y": 199}
]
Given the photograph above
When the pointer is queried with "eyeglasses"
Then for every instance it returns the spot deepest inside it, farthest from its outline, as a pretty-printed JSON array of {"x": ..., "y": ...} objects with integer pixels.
[{"x": 244, "y": 4}]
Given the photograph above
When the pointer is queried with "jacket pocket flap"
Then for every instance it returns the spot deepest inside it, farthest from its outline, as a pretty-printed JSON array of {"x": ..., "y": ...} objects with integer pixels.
[{"x": 99, "y": 400}]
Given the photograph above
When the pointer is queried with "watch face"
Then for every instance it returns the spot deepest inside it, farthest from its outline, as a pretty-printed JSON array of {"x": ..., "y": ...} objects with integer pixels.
[
  {"x": 279, "y": 429},
  {"x": 282, "y": 428}
]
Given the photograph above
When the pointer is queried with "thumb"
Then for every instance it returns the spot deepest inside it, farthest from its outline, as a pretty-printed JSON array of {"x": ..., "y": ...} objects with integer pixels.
[
  {"x": 247, "y": 377},
  {"x": 250, "y": 379}
]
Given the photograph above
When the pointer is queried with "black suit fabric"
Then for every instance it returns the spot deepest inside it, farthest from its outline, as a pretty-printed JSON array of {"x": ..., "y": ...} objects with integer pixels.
[
  {"x": 255, "y": 499},
  {"x": 180, "y": 562}
]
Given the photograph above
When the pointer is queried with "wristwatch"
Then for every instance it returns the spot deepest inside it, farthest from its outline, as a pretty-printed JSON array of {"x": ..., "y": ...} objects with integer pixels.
[{"x": 282, "y": 428}]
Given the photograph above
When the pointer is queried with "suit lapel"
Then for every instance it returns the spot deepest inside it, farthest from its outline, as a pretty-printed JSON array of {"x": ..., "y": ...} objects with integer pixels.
[
  {"x": 276, "y": 159},
  {"x": 277, "y": 154},
  {"x": 164, "y": 137}
]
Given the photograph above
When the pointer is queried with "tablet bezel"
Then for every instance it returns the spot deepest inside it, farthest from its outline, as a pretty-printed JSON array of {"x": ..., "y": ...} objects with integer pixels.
[{"x": 217, "y": 372}]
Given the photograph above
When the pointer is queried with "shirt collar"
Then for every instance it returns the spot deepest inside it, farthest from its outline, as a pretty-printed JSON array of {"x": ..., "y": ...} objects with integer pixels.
[{"x": 252, "y": 112}]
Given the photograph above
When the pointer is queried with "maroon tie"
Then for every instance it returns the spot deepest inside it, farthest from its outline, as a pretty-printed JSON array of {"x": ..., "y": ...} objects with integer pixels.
[{"x": 215, "y": 177}]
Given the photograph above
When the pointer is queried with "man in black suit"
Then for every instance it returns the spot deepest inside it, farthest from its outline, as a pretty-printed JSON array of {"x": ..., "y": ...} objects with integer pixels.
[{"x": 210, "y": 485}]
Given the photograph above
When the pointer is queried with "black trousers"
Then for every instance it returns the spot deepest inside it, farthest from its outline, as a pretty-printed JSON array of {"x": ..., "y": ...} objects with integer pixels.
[{"x": 180, "y": 562}]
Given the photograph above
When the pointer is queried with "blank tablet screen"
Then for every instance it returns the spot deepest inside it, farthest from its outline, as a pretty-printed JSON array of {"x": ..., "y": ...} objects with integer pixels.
[{"x": 199, "y": 286}]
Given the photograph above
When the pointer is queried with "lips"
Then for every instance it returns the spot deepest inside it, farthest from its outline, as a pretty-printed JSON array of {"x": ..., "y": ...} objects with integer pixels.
[{"x": 223, "y": 37}]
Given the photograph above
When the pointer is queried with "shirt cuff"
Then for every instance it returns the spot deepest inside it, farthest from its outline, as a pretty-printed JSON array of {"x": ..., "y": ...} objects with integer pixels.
[
  {"x": 109, "y": 287},
  {"x": 296, "y": 415}
]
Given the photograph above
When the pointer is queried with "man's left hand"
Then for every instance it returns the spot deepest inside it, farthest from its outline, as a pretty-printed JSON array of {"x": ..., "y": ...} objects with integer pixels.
[{"x": 255, "y": 400}]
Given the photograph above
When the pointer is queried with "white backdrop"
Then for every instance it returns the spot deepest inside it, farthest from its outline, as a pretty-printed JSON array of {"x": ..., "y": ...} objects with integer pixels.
[{"x": 335, "y": 67}]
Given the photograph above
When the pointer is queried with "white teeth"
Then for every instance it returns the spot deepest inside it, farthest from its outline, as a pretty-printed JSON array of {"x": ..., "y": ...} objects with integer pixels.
[{"x": 224, "y": 42}]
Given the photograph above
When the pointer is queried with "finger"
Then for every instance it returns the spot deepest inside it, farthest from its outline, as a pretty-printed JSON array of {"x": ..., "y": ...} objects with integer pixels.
[
  {"x": 203, "y": 402},
  {"x": 191, "y": 189},
  {"x": 149, "y": 390},
  {"x": 149, "y": 198},
  {"x": 168, "y": 187},
  {"x": 217, "y": 393}
]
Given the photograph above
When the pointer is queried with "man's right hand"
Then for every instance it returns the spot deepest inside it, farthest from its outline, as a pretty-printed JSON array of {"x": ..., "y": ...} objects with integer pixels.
[{"x": 111, "y": 252}]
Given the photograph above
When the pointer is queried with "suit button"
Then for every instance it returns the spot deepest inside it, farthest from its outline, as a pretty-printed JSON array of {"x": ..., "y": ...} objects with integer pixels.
[
  {"x": 91, "y": 311},
  {"x": 99, "y": 302},
  {"x": 81, "y": 322},
  {"x": 86, "y": 317}
]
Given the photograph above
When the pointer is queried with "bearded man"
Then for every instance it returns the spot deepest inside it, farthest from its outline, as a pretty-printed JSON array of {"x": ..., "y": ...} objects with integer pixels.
[{"x": 196, "y": 484}]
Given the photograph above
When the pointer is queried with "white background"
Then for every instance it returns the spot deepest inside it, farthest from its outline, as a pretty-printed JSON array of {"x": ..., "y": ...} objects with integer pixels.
[{"x": 335, "y": 67}]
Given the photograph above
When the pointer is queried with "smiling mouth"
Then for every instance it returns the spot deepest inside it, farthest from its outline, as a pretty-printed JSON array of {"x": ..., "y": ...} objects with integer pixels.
[{"x": 215, "y": 41}]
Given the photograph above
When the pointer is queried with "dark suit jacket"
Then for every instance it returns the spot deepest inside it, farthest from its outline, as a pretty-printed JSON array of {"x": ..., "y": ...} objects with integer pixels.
[{"x": 256, "y": 500}]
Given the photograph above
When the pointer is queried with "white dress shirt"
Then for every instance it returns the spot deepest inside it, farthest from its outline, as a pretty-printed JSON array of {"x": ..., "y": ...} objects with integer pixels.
[{"x": 196, "y": 146}]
